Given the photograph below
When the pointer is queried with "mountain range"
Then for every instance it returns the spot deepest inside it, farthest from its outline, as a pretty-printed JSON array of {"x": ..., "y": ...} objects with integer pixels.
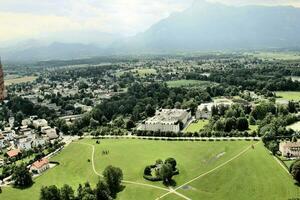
[{"x": 205, "y": 26}]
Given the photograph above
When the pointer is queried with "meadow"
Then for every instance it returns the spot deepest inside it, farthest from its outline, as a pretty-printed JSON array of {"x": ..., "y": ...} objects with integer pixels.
[
  {"x": 196, "y": 126},
  {"x": 189, "y": 83},
  {"x": 295, "y": 96},
  {"x": 24, "y": 79},
  {"x": 224, "y": 170},
  {"x": 295, "y": 126},
  {"x": 277, "y": 55}
]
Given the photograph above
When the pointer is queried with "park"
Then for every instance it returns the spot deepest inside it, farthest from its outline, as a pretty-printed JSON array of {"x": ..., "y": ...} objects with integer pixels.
[{"x": 208, "y": 170}]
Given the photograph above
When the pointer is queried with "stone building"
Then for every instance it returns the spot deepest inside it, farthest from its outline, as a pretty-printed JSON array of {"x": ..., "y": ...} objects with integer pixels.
[
  {"x": 167, "y": 120},
  {"x": 290, "y": 149}
]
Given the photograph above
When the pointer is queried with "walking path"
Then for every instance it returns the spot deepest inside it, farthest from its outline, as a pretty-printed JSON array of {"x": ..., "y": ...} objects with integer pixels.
[
  {"x": 124, "y": 181},
  {"x": 208, "y": 172}
]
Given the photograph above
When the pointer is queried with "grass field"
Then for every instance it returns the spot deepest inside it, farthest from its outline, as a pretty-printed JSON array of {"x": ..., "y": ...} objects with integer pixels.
[
  {"x": 289, "y": 95},
  {"x": 24, "y": 79},
  {"x": 189, "y": 83},
  {"x": 196, "y": 126},
  {"x": 295, "y": 126},
  {"x": 237, "y": 171},
  {"x": 139, "y": 71},
  {"x": 277, "y": 55}
]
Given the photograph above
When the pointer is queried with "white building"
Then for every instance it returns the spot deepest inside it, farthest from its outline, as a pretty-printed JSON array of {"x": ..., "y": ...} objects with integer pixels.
[
  {"x": 204, "y": 110},
  {"x": 40, "y": 166},
  {"x": 290, "y": 149},
  {"x": 167, "y": 120},
  {"x": 39, "y": 123}
]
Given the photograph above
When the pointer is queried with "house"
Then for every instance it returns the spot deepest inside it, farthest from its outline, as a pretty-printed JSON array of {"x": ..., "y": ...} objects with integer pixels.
[
  {"x": 290, "y": 149},
  {"x": 50, "y": 132},
  {"x": 2, "y": 141},
  {"x": 23, "y": 142},
  {"x": 13, "y": 153},
  {"x": 40, "y": 166},
  {"x": 204, "y": 110},
  {"x": 39, "y": 123},
  {"x": 167, "y": 120}
]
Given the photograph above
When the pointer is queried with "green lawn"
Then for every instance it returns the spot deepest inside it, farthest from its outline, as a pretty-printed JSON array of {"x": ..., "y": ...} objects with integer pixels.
[
  {"x": 289, "y": 95},
  {"x": 253, "y": 128},
  {"x": 189, "y": 83},
  {"x": 196, "y": 126},
  {"x": 253, "y": 175},
  {"x": 277, "y": 55},
  {"x": 295, "y": 127}
]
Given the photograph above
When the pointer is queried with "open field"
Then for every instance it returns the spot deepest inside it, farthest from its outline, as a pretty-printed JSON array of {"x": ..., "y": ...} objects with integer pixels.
[
  {"x": 277, "y": 55},
  {"x": 138, "y": 71},
  {"x": 295, "y": 126},
  {"x": 189, "y": 83},
  {"x": 196, "y": 126},
  {"x": 228, "y": 170},
  {"x": 289, "y": 95},
  {"x": 24, "y": 79},
  {"x": 144, "y": 71}
]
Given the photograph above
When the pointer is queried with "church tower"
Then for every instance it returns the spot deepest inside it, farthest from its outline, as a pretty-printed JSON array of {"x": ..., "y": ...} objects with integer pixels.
[{"x": 2, "y": 89}]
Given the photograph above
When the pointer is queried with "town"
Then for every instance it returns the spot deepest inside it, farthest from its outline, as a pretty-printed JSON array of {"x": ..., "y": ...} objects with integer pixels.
[{"x": 175, "y": 99}]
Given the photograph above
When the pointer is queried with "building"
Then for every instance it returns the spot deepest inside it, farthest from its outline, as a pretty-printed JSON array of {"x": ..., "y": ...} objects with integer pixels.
[
  {"x": 2, "y": 88},
  {"x": 204, "y": 110},
  {"x": 167, "y": 120},
  {"x": 290, "y": 149},
  {"x": 38, "y": 123},
  {"x": 13, "y": 153},
  {"x": 40, "y": 166}
]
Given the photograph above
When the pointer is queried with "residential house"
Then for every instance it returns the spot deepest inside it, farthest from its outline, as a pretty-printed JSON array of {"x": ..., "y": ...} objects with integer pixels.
[{"x": 40, "y": 166}]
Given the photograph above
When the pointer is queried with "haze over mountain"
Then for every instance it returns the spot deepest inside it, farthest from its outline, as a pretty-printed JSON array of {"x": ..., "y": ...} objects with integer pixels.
[
  {"x": 205, "y": 26},
  {"x": 211, "y": 26}
]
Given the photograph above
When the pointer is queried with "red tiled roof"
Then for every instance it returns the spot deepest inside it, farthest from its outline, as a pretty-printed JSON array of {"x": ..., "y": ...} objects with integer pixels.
[
  {"x": 40, "y": 163},
  {"x": 13, "y": 153}
]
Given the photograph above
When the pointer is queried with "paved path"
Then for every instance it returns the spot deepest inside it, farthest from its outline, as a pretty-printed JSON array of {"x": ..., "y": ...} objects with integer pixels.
[
  {"x": 206, "y": 173},
  {"x": 124, "y": 181},
  {"x": 172, "y": 138}
]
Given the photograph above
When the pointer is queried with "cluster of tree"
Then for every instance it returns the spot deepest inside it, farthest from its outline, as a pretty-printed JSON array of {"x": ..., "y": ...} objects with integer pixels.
[
  {"x": 162, "y": 171},
  {"x": 21, "y": 176},
  {"x": 22, "y": 108},
  {"x": 273, "y": 129},
  {"x": 106, "y": 189},
  {"x": 140, "y": 102},
  {"x": 295, "y": 170}
]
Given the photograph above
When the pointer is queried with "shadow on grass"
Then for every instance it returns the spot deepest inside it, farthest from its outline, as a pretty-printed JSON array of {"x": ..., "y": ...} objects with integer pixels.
[
  {"x": 170, "y": 183},
  {"x": 114, "y": 195},
  {"x": 22, "y": 187}
]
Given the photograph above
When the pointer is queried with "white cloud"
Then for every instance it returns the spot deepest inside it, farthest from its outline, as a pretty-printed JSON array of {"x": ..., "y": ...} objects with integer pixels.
[{"x": 34, "y": 18}]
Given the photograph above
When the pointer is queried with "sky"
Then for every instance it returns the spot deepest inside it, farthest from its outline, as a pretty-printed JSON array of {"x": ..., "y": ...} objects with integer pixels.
[{"x": 33, "y": 19}]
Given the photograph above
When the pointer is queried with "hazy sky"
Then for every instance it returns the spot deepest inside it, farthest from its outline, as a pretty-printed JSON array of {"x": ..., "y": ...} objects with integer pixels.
[{"x": 26, "y": 19}]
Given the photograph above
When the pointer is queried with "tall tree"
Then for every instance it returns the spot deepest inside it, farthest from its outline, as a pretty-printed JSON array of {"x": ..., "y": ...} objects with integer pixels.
[
  {"x": 21, "y": 176},
  {"x": 113, "y": 177}
]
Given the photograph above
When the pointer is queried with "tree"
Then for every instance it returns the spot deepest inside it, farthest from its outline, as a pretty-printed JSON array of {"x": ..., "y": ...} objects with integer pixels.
[
  {"x": 295, "y": 170},
  {"x": 129, "y": 124},
  {"x": 172, "y": 162},
  {"x": 166, "y": 173},
  {"x": 147, "y": 171},
  {"x": 273, "y": 147},
  {"x": 113, "y": 177},
  {"x": 67, "y": 193},
  {"x": 102, "y": 191},
  {"x": 242, "y": 124},
  {"x": 50, "y": 193},
  {"x": 150, "y": 111},
  {"x": 21, "y": 176}
]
